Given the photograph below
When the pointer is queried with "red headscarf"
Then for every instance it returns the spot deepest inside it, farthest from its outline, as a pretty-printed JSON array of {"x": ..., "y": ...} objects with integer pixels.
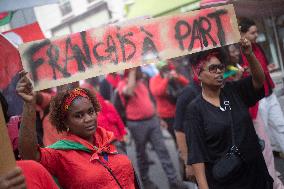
[
  {"x": 197, "y": 68},
  {"x": 72, "y": 96}
]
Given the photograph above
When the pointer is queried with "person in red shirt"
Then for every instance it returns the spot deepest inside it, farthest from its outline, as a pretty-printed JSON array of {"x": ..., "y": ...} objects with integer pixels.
[
  {"x": 160, "y": 88},
  {"x": 85, "y": 157},
  {"x": 144, "y": 125},
  {"x": 269, "y": 107},
  {"x": 28, "y": 174}
]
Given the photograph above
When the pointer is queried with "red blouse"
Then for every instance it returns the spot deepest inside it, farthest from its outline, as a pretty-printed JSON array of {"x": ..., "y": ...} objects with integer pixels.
[
  {"x": 78, "y": 169},
  {"x": 36, "y": 176}
]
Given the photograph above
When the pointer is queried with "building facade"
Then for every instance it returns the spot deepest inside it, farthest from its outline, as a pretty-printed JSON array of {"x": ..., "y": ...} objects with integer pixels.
[{"x": 70, "y": 16}]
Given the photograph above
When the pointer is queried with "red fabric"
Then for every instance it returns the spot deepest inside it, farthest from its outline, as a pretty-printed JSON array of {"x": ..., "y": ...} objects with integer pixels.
[
  {"x": 253, "y": 111},
  {"x": 195, "y": 78},
  {"x": 36, "y": 176},
  {"x": 197, "y": 68},
  {"x": 10, "y": 62},
  {"x": 25, "y": 32},
  {"x": 13, "y": 130},
  {"x": 158, "y": 87},
  {"x": 212, "y": 2},
  {"x": 268, "y": 84},
  {"x": 71, "y": 97},
  {"x": 108, "y": 117},
  {"x": 113, "y": 79},
  {"x": 78, "y": 169},
  {"x": 139, "y": 106},
  {"x": 3, "y": 15}
]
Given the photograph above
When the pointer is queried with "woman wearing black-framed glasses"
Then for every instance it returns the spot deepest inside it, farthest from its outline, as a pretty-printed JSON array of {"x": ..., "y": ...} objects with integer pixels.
[{"x": 223, "y": 146}]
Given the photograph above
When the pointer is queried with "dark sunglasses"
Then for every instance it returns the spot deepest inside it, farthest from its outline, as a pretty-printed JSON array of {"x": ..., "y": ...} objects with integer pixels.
[{"x": 213, "y": 68}]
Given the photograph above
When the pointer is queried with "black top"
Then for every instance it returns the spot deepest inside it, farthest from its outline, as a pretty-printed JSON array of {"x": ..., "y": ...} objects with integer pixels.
[
  {"x": 106, "y": 89},
  {"x": 186, "y": 96},
  {"x": 209, "y": 135}
]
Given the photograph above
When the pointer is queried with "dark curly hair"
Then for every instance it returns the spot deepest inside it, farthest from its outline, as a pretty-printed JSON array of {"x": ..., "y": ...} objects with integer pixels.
[
  {"x": 245, "y": 24},
  {"x": 58, "y": 116}
]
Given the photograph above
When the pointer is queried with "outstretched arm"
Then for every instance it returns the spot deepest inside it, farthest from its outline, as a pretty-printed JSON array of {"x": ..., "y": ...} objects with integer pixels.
[
  {"x": 129, "y": 88},
  {"x": 256, "y": 70},
  {"x": 28, "y": 138}
]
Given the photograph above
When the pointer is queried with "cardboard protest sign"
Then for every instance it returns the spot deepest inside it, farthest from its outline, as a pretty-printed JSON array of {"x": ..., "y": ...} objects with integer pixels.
[
  {"x": 7, "y": 159},
  {"x": 61, "y": 60}
]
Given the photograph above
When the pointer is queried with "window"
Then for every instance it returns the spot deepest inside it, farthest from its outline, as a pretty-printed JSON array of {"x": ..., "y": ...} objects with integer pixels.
[{"x": 65, "y": 7}]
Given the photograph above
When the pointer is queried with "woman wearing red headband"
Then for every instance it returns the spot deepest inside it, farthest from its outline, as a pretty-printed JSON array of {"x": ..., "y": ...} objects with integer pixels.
[
  {"x": 85, "y": 157},
  {"x": 223, "y": 146}
]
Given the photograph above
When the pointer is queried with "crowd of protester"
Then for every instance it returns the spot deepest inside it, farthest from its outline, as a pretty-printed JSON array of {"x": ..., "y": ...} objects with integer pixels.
[{"x": 217, "y": 105}]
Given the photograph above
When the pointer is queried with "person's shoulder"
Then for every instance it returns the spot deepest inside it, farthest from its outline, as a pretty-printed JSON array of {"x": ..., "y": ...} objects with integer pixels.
[
  {"x": 192, "y": 88},
  {"x": 197, "y": 100},
  {"x": 30, "y": 165},
  {"x": 195, "y": 103},
  {"x": 193, "y": 109},
  {"x": 36, "y": 175}
]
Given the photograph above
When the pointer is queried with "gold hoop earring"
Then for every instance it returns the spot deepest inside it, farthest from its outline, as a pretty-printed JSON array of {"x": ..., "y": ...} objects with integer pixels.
[{"x": 68, "y": 129}]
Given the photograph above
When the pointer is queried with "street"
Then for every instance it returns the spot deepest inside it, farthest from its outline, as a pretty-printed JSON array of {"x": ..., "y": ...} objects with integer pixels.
[{"x": 156, "y": 172}]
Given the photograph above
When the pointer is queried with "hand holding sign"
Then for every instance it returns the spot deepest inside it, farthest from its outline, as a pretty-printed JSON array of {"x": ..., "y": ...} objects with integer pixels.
[
  {"x": 246, "y": 46},
  {"x": 24, "y": 88}
]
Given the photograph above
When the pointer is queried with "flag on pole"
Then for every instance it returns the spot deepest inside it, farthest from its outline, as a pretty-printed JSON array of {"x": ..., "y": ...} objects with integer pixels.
[
  {"x": 10, "y": 62},
  {"x": 27, "y": 33}
]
